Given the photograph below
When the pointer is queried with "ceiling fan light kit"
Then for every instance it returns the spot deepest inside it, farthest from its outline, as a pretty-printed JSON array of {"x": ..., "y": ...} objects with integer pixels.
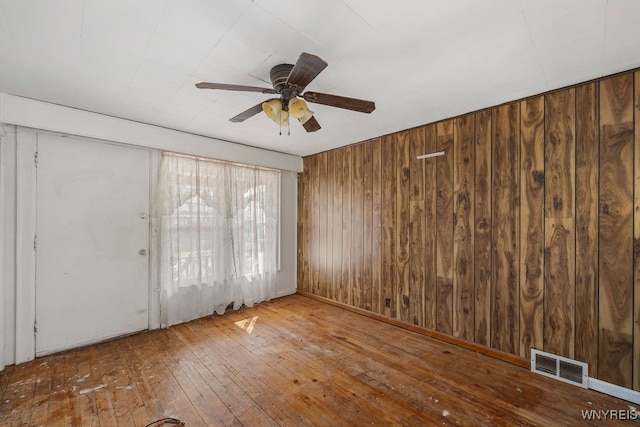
[
  {"x": 305, "y": 117},
  {"x": 298, "y": 109},
  {"x": 273, "y": 109},
  {"x": 289, "y": 81}
]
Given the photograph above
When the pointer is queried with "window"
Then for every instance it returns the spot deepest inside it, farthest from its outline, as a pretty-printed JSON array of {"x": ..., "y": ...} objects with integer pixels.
[{"x": 219, "y": 231}]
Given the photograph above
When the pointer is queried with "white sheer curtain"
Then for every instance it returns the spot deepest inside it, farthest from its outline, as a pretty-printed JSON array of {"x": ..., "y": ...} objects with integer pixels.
[{"x": 219, "y": 229}]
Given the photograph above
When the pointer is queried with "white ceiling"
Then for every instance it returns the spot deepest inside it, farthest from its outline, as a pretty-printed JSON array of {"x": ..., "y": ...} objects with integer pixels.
[{"x": 419, "y": 60}]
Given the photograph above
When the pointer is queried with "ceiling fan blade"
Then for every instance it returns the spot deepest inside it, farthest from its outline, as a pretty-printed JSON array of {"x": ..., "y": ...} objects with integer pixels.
[
  {"x": 242, "y": 88},
  {"x": 311, "y": 125},
  {"x": 248, "y": 113},
  {"x": 305, "y": 70},
  {"x": 340, "y": 102}
]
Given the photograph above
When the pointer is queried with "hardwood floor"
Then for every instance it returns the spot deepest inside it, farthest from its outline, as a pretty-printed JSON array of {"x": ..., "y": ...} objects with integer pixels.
[{"x": 291, "y": 361}]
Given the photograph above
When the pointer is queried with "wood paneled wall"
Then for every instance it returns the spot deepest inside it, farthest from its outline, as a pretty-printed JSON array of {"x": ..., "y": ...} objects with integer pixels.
[{"x": 526, "y": 234}]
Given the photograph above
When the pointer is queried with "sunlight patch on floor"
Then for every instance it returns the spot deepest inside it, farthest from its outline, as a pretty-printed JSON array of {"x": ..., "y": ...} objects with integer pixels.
[{"x": 247, "y": 324}]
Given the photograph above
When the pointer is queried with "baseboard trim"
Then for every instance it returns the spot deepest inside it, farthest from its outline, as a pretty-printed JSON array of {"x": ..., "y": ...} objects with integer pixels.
[
  {"x": 501, "y": 355},
  {"x": 285, "y": 293},
  {"x": 614, "y": 390}
]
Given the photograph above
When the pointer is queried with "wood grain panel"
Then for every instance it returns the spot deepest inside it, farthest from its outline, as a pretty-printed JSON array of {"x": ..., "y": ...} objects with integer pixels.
[
  {"x": 303, "y": 228},
  {"x": 430, "y": 229},
  {"x": 357, "y": 226},
  {"x": 559, "y": 290},
  {"x": 636, "y": 240},
  {"x": 417, "y": 228},
  {"x": 559, "y": 294},
  {"x": 328, "y": 244},
  {"x": 464, "y": 225},
  {"x": 587, "y": 161},
  {"x": 483, "y": 228},
  {"x": 560, "y": 154},
  {"x": 300, "y": 233},
  {"x": 532, "y": 223},
  {"x": 367, "y": 222},
  {"x": 403, "y": 223},
  {"x": 616, "y": 231},
  {"x": 314, "y": 248},
  {"x": 323, "y": 180},
  {"x": 506, "y": 221},
  {"x": 345, "y": 179},
  {"x": 542, "y": 208},
  {"x": 376, "y": 251},
  {"x": 444, "y": 227},
  {"x": 389, "y": 225},
  {"x": 336, "y": 245}
]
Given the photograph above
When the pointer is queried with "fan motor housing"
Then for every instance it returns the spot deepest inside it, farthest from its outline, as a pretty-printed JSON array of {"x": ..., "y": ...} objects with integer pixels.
[{"x": 279, "y": 75}]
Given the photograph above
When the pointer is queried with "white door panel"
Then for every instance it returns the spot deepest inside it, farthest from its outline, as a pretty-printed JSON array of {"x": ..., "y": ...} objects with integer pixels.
[{"x": 91, "y": 280}]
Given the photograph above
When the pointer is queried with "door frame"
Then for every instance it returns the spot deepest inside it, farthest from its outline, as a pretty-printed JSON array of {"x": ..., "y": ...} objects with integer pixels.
[{"x": 26, "y": 201}]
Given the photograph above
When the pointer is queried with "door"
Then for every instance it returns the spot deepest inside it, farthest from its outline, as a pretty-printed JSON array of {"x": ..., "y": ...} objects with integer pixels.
[{"x": 92, "y": 242}]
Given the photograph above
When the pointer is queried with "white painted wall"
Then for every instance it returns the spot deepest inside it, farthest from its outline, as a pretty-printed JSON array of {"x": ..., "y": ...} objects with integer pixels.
[
  {"x": 34, "y": 114},
  {"x": 25, "y": 231},
  {"x": 21, "y": 120},
  {"x": 3, "y": 156},
  {"x": 289, "y": 229},
  {"x": 7, "y": 243},
  {"x": 8, "y": 148}
]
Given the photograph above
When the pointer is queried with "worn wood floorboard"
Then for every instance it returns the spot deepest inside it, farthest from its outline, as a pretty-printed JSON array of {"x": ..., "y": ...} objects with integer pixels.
[{"x": 288, "y": 362}]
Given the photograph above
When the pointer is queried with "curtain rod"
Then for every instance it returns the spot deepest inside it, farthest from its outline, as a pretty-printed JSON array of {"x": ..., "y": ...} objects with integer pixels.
[{"x": 212, "y": 160}]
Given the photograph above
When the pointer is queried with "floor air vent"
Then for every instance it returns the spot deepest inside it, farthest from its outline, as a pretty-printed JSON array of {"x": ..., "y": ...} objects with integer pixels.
[{"x": 560, "y": 368}]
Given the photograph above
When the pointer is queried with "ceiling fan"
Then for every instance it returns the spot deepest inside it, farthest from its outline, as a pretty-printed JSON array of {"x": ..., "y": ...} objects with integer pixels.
[{"x": 289, "y": 81}]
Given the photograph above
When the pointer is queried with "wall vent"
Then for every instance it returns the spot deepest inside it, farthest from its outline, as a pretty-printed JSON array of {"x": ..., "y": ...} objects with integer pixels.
[{"x": 560, "y": 368}]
